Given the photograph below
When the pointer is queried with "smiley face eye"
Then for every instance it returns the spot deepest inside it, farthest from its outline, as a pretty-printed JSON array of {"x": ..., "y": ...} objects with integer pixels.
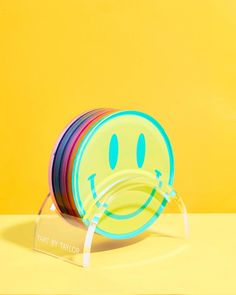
[
  {"x": 141, "y": 150},
  {"x": 113, "y": 151}
]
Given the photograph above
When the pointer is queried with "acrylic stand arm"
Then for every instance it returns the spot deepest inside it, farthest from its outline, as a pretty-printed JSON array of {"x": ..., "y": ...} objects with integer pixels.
[
  {"x": 180, "y": 204},
  {"x": 92, "y": 228}
]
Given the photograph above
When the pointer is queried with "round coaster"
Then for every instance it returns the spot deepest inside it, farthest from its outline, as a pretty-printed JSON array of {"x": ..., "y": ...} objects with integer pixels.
[{"x": 116, "y": 144}]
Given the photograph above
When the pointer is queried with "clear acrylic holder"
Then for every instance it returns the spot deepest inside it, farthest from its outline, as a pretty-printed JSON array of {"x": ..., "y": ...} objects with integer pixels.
[{"x": 68, "y": 238}]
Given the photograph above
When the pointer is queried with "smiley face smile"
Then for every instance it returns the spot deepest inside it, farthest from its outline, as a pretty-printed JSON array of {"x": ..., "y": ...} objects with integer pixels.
[{"x": 91, "y": 179}]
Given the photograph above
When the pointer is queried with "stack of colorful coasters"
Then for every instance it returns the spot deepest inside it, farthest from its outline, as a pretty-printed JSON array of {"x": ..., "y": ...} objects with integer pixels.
[{"x": 103, "y": 146}]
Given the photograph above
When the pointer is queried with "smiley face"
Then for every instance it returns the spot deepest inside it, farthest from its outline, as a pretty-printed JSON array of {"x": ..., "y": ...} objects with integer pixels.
[{"x": 121, "y": 142}]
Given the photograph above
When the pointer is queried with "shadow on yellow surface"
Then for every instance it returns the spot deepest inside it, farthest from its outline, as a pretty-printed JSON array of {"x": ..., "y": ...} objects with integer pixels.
[{"x": 21, "y": 234}]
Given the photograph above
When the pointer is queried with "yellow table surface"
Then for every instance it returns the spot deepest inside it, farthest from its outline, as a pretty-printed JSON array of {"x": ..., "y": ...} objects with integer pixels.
[{"x": 205, "y": 264}]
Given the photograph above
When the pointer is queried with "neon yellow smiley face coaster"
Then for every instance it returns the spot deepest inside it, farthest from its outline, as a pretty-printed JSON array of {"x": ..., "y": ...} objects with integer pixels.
[{"x": 121, "y": 144}]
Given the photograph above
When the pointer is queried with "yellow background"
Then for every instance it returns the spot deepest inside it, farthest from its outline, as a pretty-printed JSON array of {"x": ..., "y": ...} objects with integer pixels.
[{"x": 175, "y": 60}]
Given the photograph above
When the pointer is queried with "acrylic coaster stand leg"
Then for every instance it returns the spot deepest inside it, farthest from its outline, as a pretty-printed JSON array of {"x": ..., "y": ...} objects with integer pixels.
[{"x": 162, "y": 227}]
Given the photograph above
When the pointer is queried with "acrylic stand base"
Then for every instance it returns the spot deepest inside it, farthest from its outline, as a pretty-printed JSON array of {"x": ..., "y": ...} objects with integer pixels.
[{"x": 67, "y": 238}]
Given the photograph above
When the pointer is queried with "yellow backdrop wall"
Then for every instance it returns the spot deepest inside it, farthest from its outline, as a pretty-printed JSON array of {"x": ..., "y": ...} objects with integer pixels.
[{"x": 175, "y": 60}]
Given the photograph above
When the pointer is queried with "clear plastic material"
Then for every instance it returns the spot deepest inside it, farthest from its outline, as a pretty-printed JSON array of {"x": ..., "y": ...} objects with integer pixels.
[{"x": 74, "y": 239}]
